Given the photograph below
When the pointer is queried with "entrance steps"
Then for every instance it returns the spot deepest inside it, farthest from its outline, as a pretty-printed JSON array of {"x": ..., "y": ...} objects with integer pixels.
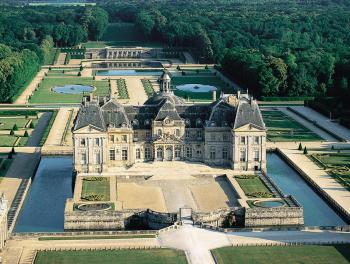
[{"x": 28, "y": 256}]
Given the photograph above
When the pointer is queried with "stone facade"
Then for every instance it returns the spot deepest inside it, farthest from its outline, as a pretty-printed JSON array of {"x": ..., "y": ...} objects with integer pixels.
[
  {"x": 227, "y": 132},
  {"x": 3, "y": 221},
  {"x": 121, "y": 52}
]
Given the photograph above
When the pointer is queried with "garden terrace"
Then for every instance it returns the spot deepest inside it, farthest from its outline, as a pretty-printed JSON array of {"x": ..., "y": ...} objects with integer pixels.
[
  {"x": 45, "y": 94},
  {"x": 95, "y": 189},
  {"x": 281, "y": 127},
  {"x": 320, "y": 254},
  {"x": 253, "y": 186},
  {"x": 137, "y": 256}
]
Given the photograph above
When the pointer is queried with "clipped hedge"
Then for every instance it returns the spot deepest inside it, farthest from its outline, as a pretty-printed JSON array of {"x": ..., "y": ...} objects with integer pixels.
[{"x": 285, "y": 98}]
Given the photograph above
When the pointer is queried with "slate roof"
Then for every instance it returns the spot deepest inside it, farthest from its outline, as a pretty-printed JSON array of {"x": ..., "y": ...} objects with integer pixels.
[{"x": 221, "y": 113}]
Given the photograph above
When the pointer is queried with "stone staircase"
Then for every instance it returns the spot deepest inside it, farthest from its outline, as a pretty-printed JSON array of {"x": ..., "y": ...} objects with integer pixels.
[{"x": 28, "y": 256}]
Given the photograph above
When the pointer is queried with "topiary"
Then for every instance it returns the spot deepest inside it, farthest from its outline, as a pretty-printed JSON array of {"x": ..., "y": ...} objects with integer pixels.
[
  {"x": 15, "y": 128},
  {"x": 300, "y": 147},
  {"x": 26, "y": 134},
  {"x": 305, "y": 151}
]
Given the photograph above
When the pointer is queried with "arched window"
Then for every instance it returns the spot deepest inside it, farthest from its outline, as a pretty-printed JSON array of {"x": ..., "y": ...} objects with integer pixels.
[
  {"x": 159, "y": 132},
  {"x": 177, "y": 132},
  {"x": 159, "y": 153}
]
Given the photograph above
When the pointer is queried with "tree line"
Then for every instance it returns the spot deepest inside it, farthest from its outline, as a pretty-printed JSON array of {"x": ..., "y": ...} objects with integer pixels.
[{"x": 28, "y": 34}]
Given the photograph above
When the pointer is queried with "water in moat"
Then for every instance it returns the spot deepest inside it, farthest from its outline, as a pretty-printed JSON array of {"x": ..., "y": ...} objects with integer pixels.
[
  {"x": 43, "y": 210},
  {"x": 316, "y": 211}
]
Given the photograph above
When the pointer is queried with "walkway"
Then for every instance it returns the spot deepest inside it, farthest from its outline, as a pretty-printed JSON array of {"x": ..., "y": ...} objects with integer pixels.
[
  {"x": 23, "y": 98},
  {"x": 324, "y": 121},
  {"x": 61, "y": 59},
  {"x": 189, "y": 58},
  {"x": 57, "y": 130},
  {"x": 136, "y": 91}
]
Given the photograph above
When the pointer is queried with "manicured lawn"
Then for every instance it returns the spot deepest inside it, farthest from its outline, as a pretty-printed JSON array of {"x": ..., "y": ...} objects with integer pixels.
[
  {"x": 277, "y": 254},
  {"x": 121, "y": 34},
  {"x": 7, "y": 140},
  {"x": 281, "y": 127},
  {"x": 200, "y": 79},
  {"x": 8, "y": 122},
  {"x": 152, "y": 256},
  {"x": 253, "y": 186},
  {"x": 44, "y": 94},
  {"x": 95, "y": 190}
]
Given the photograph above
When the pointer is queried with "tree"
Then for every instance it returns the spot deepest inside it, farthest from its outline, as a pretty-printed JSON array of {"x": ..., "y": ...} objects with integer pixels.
[
  {"x": 15, "y": 128},
  {"x": 305, "y": 151},
  {"x": 26, "y": 134},
  {"x": 300, "y": 147}
]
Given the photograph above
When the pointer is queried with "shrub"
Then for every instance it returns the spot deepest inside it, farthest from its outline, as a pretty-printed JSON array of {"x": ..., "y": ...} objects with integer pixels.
[
  {"x": 93, "y": 197},
  {"x": 79, "y": 73},
  {"x": 178, "y": 67},
  {"x": 260, "y": 195},
  {"x": 300, "y": 147},
  {"x": 305, "y": 151},
  {"x": 31, "y": 125},
  {"x": 15, "y": 128},
  {"x": 26, "y": 134}
]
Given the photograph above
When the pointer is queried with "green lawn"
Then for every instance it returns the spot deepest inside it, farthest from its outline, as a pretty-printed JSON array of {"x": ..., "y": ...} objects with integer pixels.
[
  {"x": 7, "y": 140},
  {"x": 121, "y": 34},
  {"x": 95, "y": 190},
  {"x": 200, "y": 79},
  {"x": 281, "y": 127},
  {"x": 253, "y": 186},
  {"x": 339, "y": 254},
  {"x": 44, "y": 94},
  {"x": 152, "y": 256},
  {"x": 8, "y": 122}
]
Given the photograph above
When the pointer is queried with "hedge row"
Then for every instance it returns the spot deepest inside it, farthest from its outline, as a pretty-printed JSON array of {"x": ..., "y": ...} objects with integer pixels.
[{"x": 276, "y": 98}]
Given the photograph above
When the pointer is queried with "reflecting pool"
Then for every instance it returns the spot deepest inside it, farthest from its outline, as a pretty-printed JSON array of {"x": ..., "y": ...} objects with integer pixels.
[
  {"x": 43, "y": 210},
  {"x": 128, "y": 73},
  {"x": 73, "y": 89},
  {"x": 316, "y": 211},
  {"x": 196, "y": 88}
]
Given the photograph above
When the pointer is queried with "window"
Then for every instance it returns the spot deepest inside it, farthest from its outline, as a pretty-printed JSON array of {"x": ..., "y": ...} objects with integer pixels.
[
  {"x": 242, "y": 140},
  {"x": 159, "y": 133},
  {"x": 199, "y": 153},
  {"x": 136, "y": 136},
  {"x": 225, "y": 153},
  {"x": 111, "y": 138},
  {"x": 177, "y": 153},
  {"x": 148, "y": 134},
  {"x": 242, "y": 156},
  {"x": 212, "y": 136},
  {"x": 124, "y": 154},
  {"x": 256, "y": 155},
  {"x": 82, "y": 142},
  {"x": 83, "y": 158},
  {"x": 147, "y": 153},
  {"x": 159, "y": 153},
  {"x": 124, "y": 138},
  {"x": 111, "y": 154},
  {"x": 212, "y": 153},
  {"x": 97, "y": 141},
  {"x": 188, "y": 152},
  {"x": 138, "y": 154},
  {"x": 98, "y": 158},
  {"x": 256, "y": 140},
  {"x": 177, "y": 132},
  {"x": 199, "y": 134},
  {"x": 187, "y": 134},
  {"x": 224, "y": 137}
]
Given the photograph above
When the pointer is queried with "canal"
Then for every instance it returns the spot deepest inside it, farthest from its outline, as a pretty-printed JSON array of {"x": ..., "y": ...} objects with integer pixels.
[{"x": 316, "y": 211}]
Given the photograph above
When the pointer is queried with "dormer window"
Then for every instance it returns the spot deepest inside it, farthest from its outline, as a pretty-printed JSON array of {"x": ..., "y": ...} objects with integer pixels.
[
  {"x": 188, "y": 122},
  {"x": 147, "y": 122}
]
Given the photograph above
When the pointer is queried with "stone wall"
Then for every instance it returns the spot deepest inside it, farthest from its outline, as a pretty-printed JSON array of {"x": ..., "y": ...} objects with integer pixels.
[
  {"x": 218, "y": 217},
  {"x": 281, "y": 216}
]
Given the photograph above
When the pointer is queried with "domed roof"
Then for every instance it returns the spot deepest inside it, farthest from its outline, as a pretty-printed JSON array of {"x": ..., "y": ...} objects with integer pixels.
[
  {"x": 160, "y": 97},
  {"x": 165, "y": 75}
]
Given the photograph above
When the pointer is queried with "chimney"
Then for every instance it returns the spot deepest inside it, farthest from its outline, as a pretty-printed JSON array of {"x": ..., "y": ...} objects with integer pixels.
[{"x": 214, "y": 95}]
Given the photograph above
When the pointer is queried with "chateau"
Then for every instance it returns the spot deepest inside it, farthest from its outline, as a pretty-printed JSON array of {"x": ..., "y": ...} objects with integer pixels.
[{"x": 227, "y": 132}]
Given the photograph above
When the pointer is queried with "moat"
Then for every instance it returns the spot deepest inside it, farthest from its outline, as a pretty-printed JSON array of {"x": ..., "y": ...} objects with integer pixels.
[{"x": 43, "y": 210}]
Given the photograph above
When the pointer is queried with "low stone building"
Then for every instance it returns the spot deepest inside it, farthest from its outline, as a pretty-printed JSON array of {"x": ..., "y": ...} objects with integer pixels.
[
  {"x": 227, "y": 132},
  {"x": 3, "y": 220}
]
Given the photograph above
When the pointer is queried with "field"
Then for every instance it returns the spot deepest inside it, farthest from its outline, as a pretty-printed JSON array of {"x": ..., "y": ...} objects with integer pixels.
[
  {"x": 121, "y": 34},
  {"x": 336, "y": 164},
  {"x": 200, "y": 79},
  {"x": 253, "y": 186},
  {"x": 44, "y": 94},
  {"x": 152, "y": 256},
  {"x": 95, "y": 189},
  {"x": 281, "y": 127},
  {"x": 277, "y": 254}
]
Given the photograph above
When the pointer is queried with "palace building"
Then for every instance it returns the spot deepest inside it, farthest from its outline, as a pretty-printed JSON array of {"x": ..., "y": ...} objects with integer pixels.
[{"x": 227, "y": 132}]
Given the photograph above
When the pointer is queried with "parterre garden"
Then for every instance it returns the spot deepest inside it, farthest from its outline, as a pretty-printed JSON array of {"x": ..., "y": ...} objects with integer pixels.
[
  {"x": 44, "y": 93},
  {"x": 337, "y": 165},
  {"x": 253, "y": 186},
  {"x": 95, "y": 189},
  {"x": 122, "y": 90},
  {"x": 320, "y": 254},
  {"x": 281, "y": 127},
  {"x": 130, "y": 256},
  {"x": 148, "y": 87}
]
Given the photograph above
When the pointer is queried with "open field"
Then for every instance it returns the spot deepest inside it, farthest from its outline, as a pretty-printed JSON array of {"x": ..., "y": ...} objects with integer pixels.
[
  {"x": 44, "y": 93},
  {"x": 200, "y": 79},
  {"x": 281, "y": 127},
  {"x": 151, "y": 256},
  {"x": 95, "y": 189},
  {"x": 277, "y": 254},
  {"x": 121, "y": 34},
  {"x": 253, "y": 186},
  {"x": 336, "y": 164}
]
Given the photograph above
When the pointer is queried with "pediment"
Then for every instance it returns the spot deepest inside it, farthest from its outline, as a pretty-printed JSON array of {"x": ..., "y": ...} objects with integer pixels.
[
  {"x": 249, "y": 127},
  {"x": 88, "y": 129}
]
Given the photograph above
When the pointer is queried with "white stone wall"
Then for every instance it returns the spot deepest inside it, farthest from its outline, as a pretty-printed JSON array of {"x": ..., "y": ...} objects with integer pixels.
[{"x": 3, "y": 222}]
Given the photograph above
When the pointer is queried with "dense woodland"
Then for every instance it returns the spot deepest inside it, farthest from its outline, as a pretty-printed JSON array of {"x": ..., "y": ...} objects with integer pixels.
[{"x": 274, "y": 48}]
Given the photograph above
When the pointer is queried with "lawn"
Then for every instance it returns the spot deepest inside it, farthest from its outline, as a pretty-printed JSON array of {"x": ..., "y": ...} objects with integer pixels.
[
  {"x": 281, "y": 127},
  {"x": 44, "y": 94},
  {"x": 8, "y": 122},
  {"x": 200, "y": 79},
  {"x": 277, "y": 254},
  {"x": 95, "y": 189},
  {"x": 253, "y": 186},
  {"x": 121, "y": 34},
  {"x": 151, "y": 256}
]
